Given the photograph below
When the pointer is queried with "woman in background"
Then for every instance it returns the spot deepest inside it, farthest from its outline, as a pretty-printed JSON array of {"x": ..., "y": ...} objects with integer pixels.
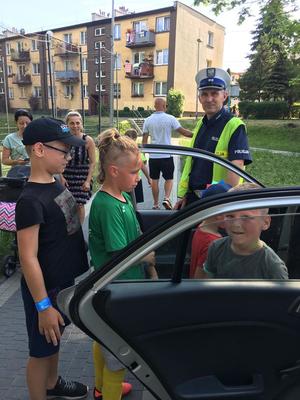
[
  {"x": 78, "y": 175},
  {"x": 14, "y": 152}
]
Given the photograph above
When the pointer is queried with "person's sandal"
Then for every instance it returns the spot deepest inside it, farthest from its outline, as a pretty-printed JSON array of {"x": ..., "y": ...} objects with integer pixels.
[
  {"x": 167, "y": 204},
  {"x": 156, "y": 207}
]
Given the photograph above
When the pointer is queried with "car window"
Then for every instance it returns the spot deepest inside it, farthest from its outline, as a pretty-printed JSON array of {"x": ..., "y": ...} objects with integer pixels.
[
  {"x": 241, "y": 244},
  {"x": 143, "y": 193}
]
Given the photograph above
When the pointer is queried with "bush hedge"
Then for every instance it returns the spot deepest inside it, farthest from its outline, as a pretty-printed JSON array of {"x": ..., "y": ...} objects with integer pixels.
[
  {"x": 126, "y": 112},
  {"x": 264, "y": 109}
]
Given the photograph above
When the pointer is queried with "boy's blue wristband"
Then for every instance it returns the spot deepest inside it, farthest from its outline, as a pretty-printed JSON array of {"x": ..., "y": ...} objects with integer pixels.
[{"x": 43, "y": 304}]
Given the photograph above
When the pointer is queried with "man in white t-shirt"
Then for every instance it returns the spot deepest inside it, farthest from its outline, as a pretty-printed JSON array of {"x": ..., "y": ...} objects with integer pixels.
[{"x": 159, "y": 126}]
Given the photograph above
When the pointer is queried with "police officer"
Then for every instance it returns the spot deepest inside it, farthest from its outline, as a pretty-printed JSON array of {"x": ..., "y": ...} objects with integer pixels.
[{"x": 218, "y": 132}]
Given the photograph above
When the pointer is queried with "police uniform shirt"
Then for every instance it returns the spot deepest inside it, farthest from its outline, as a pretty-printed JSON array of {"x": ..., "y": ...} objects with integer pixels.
[{"x": 207, "y": 139}]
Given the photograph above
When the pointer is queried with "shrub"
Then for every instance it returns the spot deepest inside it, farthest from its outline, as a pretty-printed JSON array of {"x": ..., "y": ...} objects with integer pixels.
[
  {"x": 175, "y": 100},
  {"x": 140, "y": 109},
  {"x": 264, "y": 109},
  {"x": 126, "y": 109}
]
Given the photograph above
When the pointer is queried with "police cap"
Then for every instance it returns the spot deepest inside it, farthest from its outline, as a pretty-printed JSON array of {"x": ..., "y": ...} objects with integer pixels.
[{"x": 213, "y": 78}]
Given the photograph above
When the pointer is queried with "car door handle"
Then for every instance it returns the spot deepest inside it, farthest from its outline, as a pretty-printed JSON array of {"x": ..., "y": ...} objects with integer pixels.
[{"x": 209, "y": 387}]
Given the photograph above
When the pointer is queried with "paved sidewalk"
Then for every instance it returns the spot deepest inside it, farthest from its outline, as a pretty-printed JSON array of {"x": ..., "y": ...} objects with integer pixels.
[{"x": 75, "y": 355}]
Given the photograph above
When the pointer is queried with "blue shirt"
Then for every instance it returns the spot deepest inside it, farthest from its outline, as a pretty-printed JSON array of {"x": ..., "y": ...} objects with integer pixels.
[{"x": 207, "y": 139}]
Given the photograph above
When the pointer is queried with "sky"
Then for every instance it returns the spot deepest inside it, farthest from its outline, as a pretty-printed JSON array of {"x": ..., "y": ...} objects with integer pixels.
[{"x": 34, "y": 16}]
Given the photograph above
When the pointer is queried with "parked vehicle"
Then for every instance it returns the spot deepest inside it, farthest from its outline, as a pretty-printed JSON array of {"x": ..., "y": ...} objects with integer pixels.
[{"x": 197, "y": 339}]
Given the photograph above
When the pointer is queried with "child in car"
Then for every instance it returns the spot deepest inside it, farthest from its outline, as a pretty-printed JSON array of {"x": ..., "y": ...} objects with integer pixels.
[
  {"x": 242, "y": 254},
  {"x": 205, "y": 233}
]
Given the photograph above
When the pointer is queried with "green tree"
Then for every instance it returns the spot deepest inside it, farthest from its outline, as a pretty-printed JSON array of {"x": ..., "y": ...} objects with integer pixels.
[
  {"x": 277, "y": 83},
  {"x": 175, "y": 101},
  {"x": 252, "y": 83},
  {"x": 243, "y": 6},
  {"x": 272, "y": 58}
]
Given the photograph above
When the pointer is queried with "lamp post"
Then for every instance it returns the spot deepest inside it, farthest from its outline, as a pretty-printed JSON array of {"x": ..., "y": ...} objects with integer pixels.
[
  {"x": 198, "y": 53},
  {"x": 49, "y": 35},
  {"x": 112, "y": 62},
  {"x": 81, "y": 86}
]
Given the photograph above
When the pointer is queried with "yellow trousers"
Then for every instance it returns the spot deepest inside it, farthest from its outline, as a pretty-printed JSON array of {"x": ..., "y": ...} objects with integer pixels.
[{"x": 108, "y": 382}]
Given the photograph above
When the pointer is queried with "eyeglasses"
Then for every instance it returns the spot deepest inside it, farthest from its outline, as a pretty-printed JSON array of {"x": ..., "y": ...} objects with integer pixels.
[{"x": 67, "y": 153}]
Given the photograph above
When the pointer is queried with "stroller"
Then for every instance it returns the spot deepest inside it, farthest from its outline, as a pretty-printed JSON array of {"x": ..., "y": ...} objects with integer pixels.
[{"x": 10, "y": 189}]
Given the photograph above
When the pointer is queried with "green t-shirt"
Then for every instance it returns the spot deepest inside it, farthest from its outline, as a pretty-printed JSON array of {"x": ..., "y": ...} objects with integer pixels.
[{"x": 112, "y": 226}]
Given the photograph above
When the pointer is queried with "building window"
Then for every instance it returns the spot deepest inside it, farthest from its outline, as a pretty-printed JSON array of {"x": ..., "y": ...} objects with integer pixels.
[
  {"x": 162, "y": 57},
  {"x": 162, "y": 24},
  {"x": 137, "y": 89},
  {"x": 117, "y": 90},
  {"x": 20, "y": 46},
  {"x": 102, "y": 88},
  {"x": 83, "y": 37},
  {"x": 34, "y": 45},
  {"x": 85, "y": 91},
  {"x": 140, "y": 26},
  {"x": 69, "y": 91},
  {"x": 117, "y": 63},
  {"x": 35, "y": 68},
  {"x": 138, "y": 57},
  {"x": 160, "y": 88},
  {"x": 8, "y": 49},
  {"x": 208, "y": 63},
  {"x": 99, "y": 31},
  {"x": 22, "y": 93},
  {"x": 1, "y": 90},
  {"x": 10, "y": 93},
  {"x": 117, "y": 32},
  {"x": 98, "y": 44},
  {"x": 84, "y": 64},
  {"x": 9, "y": 70},
  {"x": 37, "y": 91},
  {"x": 97, "y": 60},
  {"x": 68, "y": 65},
  {"x": 68, "y": 37},
  {"x": 210, "y": 39},
  {"x": 103, "y": 75}
]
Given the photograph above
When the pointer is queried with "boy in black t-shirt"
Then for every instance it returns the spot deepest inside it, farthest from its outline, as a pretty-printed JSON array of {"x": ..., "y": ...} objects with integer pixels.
[{"x": 52, "y": 253}]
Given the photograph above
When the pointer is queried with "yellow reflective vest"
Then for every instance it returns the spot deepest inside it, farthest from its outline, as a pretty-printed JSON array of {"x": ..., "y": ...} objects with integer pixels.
[{"x": 221, "y": 150}]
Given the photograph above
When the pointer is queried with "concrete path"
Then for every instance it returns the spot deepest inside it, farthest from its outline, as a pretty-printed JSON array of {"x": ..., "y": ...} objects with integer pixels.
[{"x": 75, "y": 356}]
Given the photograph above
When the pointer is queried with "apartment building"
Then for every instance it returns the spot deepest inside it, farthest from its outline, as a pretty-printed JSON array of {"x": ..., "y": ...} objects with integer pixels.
[
  {"x": 29, "y": 82},
  {"x": 153, "y": 51}
]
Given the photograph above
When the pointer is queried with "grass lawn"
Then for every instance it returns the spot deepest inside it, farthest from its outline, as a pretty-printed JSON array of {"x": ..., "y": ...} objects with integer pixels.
[
  {"x": 275, "y": 169},
  {"x": 268, "y": 134}
]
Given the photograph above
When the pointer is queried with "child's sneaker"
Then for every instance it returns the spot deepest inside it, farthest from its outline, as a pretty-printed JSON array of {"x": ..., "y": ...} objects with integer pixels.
[
  {"x": 68, "y": 390},
  {"x": 126, "y": 389}
]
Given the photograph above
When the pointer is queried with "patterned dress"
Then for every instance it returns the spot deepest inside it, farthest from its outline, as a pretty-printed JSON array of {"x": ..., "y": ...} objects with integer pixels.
[{"x": 76, "y": 173}]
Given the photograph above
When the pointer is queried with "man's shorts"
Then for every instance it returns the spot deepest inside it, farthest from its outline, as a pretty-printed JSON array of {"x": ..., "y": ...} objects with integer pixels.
[
  {"x": 164, "y": 165},
  {"x": 38, "y": 346}
]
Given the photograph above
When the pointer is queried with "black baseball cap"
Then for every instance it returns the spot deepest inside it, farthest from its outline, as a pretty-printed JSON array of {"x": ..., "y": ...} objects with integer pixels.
[{"x": 46, "y": 130}]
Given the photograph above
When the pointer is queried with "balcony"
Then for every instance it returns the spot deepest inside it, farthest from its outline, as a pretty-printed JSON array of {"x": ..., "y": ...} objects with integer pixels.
[
  {"x": 67, "y": 50},
  {"x": 20, "y": 56},
  {"x": 67, "y": 76},
  {"x": 22, "y": 79},
  {"x": 144, "y": 70},
  {"x": 140, "y": 39}
]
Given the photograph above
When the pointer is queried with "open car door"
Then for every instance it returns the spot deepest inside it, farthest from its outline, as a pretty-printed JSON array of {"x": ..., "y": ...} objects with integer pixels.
[{"x": 201, "y": 338}]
